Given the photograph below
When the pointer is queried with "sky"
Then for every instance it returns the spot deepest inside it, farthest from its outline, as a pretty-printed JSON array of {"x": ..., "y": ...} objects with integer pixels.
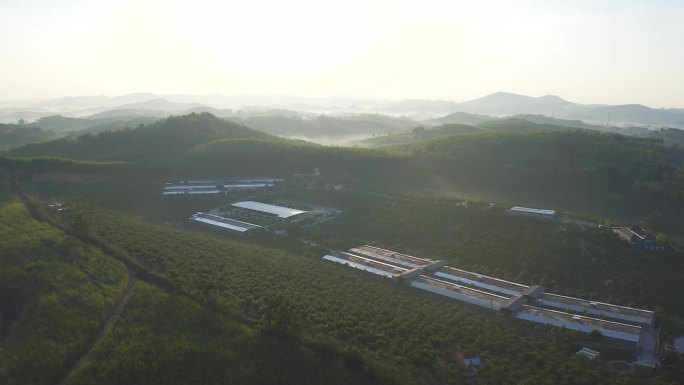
[{"x": 609, "y": 52}]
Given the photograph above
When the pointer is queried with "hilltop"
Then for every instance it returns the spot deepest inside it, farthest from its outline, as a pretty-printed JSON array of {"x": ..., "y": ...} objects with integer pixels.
[{"x": 158, "y": 141}]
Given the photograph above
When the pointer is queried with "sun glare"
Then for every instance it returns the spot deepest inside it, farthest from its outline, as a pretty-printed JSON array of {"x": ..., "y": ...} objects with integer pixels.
[{"x": 279, "y": 39}]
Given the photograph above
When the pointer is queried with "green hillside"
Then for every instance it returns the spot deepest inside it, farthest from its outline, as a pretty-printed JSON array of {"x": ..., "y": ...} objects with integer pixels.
[
  {"x": 420, "y": 133},
  {"x": 519, "y": 125},
  {"x": 166, "y": 338},
  {"x": 415, "y": 135},
  {"x": 279, "y": 157},
  {"x": 564, "y": 166},
  {"x": 510, "y": 160},
  {"x": 54, "y": 293},
  {"x": 393, "y": 335},
  {"x": 15, "y": 135},
  {"x": 263, "y": 298},
  {"x": 157, "y": 143},
  {"x": 330, "y": 127},
  {"x": 669, "y": 136}
]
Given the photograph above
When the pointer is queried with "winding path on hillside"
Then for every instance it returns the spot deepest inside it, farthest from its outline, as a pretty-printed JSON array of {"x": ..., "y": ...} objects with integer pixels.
[{"x": 108, "y": 324}]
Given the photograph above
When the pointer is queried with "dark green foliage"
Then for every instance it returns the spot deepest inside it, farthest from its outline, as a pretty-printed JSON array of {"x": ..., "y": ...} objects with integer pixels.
[
  {"x": 656, "y": 222},
  {"x": 420, "y": 133},
  {"x": 571, "y": 168},
  {"x": 19, "y": 165},
  {"x": 614, "y": 160},
  {"x": 580, "y": 171},
  {"x": 328, "y": 127},
  {"x": 394, "y": 335},
  {"x": 490, "y": 241},
  {"x": 156, "y": 143},
  {"x": 93, "y": 124},
  {"x": 595, "y": 335},
  {"x": 267, "y": 157},
  {"x": 669, "y": 136},
  {"x": 58, "y": 123},
  {"x": 15, "y": 135},
  {"x": 518, "y": 125},
  {"x": 167, "y": 339},
  {"x": 55, "y": 293}
]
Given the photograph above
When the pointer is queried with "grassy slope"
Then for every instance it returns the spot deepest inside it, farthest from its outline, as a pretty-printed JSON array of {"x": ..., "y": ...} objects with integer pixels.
[
  {"x": 397, "y": 332},
  {"x": 167, "y": 339},
  {"x": 571, "y": 169},
  {"x": 14, "y": 135},
  {"x": 158, "y": 142},
  {"x": 268, "y": 157},
  {"x": 446, "y": 130},
  {"x": 55, "y": 292},
  {"x": 515, "y": 248}
]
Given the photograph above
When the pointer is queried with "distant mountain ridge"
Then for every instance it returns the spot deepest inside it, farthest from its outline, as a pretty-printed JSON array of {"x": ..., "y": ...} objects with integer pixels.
[
  {"x": 504, "y": 102},
  {"x": 499, "y": 104},
  {"x": 508, "y": 104}
]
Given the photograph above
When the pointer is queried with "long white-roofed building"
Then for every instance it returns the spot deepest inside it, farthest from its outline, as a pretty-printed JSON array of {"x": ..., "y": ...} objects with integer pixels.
[
  {"x": 269, "y": 211},
  {"x": 232, "y": 225},
  {"x": 530, "y": 303},
  {"x": 531, "y": 212}
]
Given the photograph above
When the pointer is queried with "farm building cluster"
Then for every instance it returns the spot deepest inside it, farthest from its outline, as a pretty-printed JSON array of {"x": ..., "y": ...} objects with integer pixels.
[
  {"x": 531, "y": 303},
  {"x": 247, "y": 216},
  {"x": 218, "y": 186}
]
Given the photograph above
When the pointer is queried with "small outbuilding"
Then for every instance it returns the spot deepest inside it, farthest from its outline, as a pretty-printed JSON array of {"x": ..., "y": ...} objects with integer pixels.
[{"x": 639, "y": 238}]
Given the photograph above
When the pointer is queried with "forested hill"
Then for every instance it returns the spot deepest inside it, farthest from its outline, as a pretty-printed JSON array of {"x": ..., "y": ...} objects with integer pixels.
[
  {"x": 13, "y": 135},
  {"x": 421, "y": 133},
  {"x": 157, "y": 142},
  {"x": 512, "y": 161},
  {"x": 282, "y": 157},
  {"x": 561, "y": 165}
]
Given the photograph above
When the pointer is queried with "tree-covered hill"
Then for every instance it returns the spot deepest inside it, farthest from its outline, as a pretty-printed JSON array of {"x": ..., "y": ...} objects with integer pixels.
[
  {"x": 14, "y": 135},
  {"x": 54, "y": 293},
  {"x": 57, "y": 294},
  {"x": 562, "y": 164},
  {"x": 328, "y": 127},
  {"x": 421, "y": 133},
  {"x": 280, "y": 157},
  {"x": 393, "y": 335},
  {"x": 510, "y": 160},
  {"x": 156, "y": 143},
  {"x": 519, "y": 125}
]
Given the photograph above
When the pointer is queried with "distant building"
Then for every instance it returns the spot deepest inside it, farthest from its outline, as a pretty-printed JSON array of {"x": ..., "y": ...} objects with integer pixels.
[
  {"x": 316, "y": 173},
  {"x": 472, "y": 366},
  {"x": 268, "y": 211},
  {"x": 588, "y": 353},
  {"x": 231, "y": 225},
  {"x": 638, "y": 238},
  {"x": 218, "y": 186},
  {"x": 529, "y": 303},
  {"x": 530, "y": 212}
]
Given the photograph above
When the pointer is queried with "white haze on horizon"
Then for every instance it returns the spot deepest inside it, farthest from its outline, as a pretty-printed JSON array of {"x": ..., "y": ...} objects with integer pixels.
[{"x": 609, "y": 52}]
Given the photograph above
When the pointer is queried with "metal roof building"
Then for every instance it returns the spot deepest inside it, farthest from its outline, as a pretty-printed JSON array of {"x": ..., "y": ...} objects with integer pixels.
[
  {"x": 270, "y": 210},
  {"x": 530, "y": 303},
  {"x": 225, "y": 223},
  {"x": 532, "y": 212}
]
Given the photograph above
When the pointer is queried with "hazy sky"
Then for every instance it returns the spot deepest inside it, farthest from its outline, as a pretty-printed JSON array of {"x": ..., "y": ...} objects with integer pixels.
[{"x": 591, "y": 51}]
